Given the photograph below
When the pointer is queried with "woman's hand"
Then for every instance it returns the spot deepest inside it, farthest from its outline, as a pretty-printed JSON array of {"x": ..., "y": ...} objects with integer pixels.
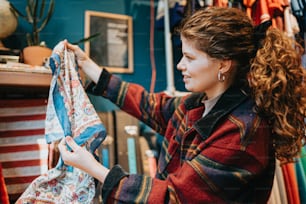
[
  {"x": 82, "y": 159},
  {"x": 89, "y": 67},
  {"x": 78, "y": 157},
  {"x": 81, "y": 56}
]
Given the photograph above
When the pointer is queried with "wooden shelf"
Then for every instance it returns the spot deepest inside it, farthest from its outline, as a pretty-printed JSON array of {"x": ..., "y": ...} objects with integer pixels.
[
  {"x": 24, "y": 83},
  {"x": 26, "y": 79}
]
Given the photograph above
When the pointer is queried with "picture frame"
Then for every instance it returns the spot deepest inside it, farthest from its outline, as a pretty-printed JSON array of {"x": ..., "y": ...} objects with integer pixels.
[{"x": 113, "y": 47}]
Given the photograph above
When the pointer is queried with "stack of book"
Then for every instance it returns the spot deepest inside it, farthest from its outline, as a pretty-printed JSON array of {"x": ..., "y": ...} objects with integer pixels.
[{"x": 9, "y": 55}]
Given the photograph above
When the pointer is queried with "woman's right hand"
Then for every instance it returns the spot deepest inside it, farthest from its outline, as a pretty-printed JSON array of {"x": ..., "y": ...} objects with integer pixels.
[
  {"x": 88, "y": 66},
  {"x": 79, "y": 53}
]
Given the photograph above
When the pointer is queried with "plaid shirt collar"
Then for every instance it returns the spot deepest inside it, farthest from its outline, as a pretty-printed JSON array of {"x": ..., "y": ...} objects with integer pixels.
[{"x": 229, "y": 100}]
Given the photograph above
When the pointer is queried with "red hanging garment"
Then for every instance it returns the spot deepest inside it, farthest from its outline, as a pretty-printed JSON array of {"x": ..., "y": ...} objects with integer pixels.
[
  {"x": 3, "y": 191},
  {"x": 291, "y": 183}
]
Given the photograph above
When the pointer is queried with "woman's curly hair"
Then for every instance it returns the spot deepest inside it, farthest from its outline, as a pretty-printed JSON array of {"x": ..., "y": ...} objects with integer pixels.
[
  {"x": 269, "y": 66},
  {"x": 277, "y": 80}
]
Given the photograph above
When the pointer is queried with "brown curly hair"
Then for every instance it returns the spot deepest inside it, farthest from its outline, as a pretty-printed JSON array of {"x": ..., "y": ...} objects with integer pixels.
[
  {"x": 278, "y": 83},
  {"x": 269, "y": 67}
]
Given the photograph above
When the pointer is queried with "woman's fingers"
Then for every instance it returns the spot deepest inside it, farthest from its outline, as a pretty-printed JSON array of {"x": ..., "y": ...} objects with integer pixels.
[
  {"x": 78, "y": 157},
  {"x": 81, "y": 55},
  {"x": 62, "y": 146},
  {"x": 69, "y": 156},
  {"x": 75, "y": 48},
  {"x": 72, "y": 144},
  {"x": 70, "y": 46}
]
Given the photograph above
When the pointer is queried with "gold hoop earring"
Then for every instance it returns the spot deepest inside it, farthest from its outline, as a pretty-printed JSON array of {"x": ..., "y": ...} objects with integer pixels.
[{"x": 221, "y": 76}]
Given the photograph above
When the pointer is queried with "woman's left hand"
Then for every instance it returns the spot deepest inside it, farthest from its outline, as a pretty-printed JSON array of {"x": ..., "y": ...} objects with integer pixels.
[
  {"x": 78, "y": 157},
  {"x": 82, "y": 159}
]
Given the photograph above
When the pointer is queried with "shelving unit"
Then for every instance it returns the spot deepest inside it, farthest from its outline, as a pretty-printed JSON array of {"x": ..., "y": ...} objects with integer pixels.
[{"x": 25, "y": 82}]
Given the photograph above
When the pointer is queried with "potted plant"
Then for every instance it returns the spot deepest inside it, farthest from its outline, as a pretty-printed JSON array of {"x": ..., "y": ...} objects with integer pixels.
[{"x": 38, "y": 15}]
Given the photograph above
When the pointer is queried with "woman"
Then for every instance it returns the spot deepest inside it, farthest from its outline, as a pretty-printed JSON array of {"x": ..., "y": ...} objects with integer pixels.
[{"x": 247, "y": 107}]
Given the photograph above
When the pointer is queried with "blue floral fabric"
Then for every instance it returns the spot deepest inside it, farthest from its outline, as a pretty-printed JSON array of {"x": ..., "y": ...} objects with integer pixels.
[{"x": 69, "y": 113}]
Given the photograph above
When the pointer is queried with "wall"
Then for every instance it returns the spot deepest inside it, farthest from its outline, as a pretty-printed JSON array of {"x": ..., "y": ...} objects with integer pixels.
[{"x": 68, "y": 23}]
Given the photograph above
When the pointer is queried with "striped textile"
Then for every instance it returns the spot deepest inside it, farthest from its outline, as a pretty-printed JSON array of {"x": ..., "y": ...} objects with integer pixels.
[{"x": 23, "y": 148}]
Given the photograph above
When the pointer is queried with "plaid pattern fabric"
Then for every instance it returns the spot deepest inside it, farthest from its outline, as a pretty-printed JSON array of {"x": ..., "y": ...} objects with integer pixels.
[
  {"x": 224, "y": 157},
  {"x": 69, "y": 112}
]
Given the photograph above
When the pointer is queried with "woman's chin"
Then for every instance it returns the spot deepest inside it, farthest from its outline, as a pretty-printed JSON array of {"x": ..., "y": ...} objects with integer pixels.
[{"x": 188, "y": 88}]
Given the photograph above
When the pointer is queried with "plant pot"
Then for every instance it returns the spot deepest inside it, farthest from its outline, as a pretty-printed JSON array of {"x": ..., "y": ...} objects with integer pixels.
[{"x": 36, "y": 55}]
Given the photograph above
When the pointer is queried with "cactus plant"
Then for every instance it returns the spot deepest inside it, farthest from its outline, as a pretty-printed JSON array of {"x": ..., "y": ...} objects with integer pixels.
[{"x": 38, "y": 16}]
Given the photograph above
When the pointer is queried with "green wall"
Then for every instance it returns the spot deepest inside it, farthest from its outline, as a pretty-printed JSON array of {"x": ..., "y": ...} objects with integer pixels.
[{"x": 68, "y": 23}]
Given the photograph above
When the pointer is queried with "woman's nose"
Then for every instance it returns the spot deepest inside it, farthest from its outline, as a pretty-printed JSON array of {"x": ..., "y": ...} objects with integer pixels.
[{"x": 179, "y": 65}]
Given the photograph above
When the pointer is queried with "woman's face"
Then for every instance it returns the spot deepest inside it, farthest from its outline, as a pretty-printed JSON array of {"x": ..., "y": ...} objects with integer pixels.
[{"x": 199, "y": 70}]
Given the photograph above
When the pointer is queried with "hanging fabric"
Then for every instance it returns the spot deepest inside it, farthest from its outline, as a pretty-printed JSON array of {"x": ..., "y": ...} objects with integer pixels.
[
  {"x": 3, "y": 191},
  {"x": 291, "y": 183},
  {"x": 23, "y": 148},
  {"x": 69, "y": 113},
  {"x": 291, "y": 27},
  {"x": 299, "y": 11},
  {"x": 300, "y": 170}
]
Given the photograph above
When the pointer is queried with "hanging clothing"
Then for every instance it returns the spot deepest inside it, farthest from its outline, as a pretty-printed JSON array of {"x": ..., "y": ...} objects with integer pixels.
[
  {"x": 69, "y": 113},
  {"x": 278, "y": 194},
  {"x": 301, "y": 175},
  {"x": 291, "y": 183},
  {"x": 299, "y": 11},
  {"x": 3, "y": 191}
]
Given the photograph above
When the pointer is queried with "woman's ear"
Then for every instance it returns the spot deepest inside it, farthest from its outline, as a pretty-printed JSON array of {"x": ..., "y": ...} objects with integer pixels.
[{"x": 226, "y": 66}]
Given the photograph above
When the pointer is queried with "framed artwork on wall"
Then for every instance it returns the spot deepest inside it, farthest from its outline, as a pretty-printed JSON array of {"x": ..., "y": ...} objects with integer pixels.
[{"x": 113, "y": 47}]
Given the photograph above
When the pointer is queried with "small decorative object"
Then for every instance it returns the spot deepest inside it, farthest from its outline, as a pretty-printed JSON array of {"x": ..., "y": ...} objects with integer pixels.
[
  {"x": 8, "y": 21},
  {"x": 36, "y": 55},
  {"x": 8, "y": 24},
  {"x": 38, "y": 16}
]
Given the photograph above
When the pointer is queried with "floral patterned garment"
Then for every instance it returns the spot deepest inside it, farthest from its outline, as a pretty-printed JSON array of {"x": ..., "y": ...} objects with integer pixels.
[{"x": 69, "y": 113}]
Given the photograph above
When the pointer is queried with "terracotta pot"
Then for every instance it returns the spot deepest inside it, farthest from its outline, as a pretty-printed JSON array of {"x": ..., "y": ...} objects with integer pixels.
[{"x": 36, "y": 55}]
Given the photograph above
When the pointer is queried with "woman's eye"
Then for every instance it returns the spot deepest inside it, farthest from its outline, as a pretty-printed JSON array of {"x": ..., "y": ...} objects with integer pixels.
[{"x": 189, "y": 58}]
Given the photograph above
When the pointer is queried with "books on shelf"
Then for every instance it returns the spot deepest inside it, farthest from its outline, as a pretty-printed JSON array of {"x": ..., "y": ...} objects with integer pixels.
[{"x": 9, "y": 55}]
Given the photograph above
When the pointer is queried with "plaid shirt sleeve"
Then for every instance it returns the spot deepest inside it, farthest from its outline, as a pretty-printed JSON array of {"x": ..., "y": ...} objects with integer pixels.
[{"x": 155, "y": 110}]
